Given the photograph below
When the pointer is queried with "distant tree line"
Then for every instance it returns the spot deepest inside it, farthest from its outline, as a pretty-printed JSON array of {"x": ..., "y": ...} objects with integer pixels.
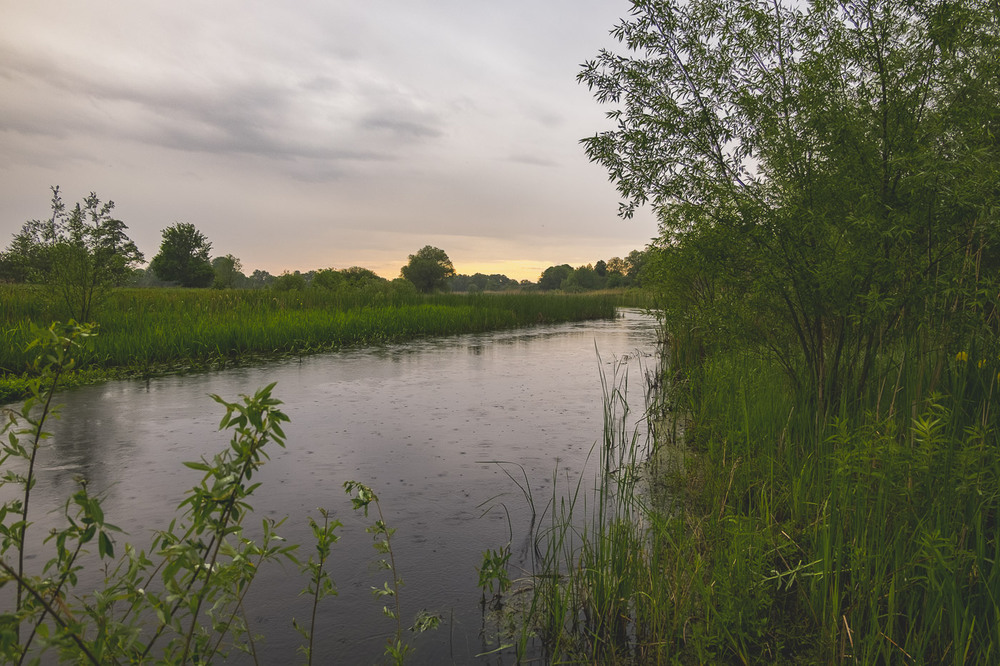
[
  {"x": 480, "y": 282},
  {"x": 81, "y": 253},
  {"x": 615, "y": 273},
  {"x": 611, "y": 274}
]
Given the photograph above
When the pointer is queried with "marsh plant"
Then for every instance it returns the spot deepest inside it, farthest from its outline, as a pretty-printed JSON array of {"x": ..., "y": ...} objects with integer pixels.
[
  {"x": 321, "y": 584},
  {"x": 153, "y": 331},
  {"x": 182, "y": 599},
  {"x": 871, "y": 541},
  {"x": 362, "y": 498},
  {"x": 587, "y": 586}
]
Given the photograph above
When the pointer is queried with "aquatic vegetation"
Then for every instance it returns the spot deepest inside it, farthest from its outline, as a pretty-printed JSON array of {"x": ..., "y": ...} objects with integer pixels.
[
  {"x": 321, "y": 585},
  {"x": 362, "y": 498},
  {"x": 748, "y": 533},
  {"x": 588, "y": 594},
  {"x": 156, "y": 330},
  {"x": 182, "y": 599}
]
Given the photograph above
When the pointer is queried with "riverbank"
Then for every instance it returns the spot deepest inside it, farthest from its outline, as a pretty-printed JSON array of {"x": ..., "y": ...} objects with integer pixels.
[
  {"x": 777, "y": 534},
  {"x": 867, "y": 536},
  {"x": 146, "y": 332}
]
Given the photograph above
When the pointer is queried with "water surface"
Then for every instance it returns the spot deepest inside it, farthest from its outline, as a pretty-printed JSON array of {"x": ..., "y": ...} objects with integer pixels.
[{"x": 418, "y": 422}]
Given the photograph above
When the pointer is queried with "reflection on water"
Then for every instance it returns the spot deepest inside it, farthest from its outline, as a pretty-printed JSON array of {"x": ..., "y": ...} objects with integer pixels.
[{"x": 417, "y": 422}]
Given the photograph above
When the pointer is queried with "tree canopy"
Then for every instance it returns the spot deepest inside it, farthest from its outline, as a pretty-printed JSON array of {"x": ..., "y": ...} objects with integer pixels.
[
  {"x": 290, "y": 282},
  {"x": 553, "y": 276},
  {"x": 833, "y": 168},
  {"x": 79, "y": 253},
  {"x": 328, "y": 278},
  {"x": 481, "y": 282},
  {"x": 428, "y": 269},
  {"x": 228, "y": 271},
  {"x": 183, "y": 257},
  {"x": 357, "y": 277}
]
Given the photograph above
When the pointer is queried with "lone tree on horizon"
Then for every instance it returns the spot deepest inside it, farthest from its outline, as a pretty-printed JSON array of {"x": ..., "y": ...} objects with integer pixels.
[
  {"x": 428, "y": 270},
  {"x": 183, "y": 257}
]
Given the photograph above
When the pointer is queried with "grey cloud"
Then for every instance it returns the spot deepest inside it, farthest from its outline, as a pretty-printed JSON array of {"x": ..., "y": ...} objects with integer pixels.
[
  {"x": 532, "y": 160},
  {"x": 272, "y": 119},
  {"x": 403, "y": 125},
  {"x": 322, "y": 83},
  {"x": 548, "y": 119},
  {"x": 258, "y": 119}
]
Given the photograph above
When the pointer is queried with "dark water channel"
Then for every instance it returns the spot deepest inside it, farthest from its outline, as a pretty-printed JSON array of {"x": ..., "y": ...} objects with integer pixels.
[{"x": 417, "y": 422}]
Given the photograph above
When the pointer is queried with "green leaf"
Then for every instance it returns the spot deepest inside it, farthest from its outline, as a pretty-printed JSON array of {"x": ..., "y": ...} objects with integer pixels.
[{"x": 106, "y": 547}]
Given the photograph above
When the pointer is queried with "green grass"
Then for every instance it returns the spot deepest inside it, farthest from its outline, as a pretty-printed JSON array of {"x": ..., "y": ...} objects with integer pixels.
[
  {"x": 590, "y": 597},
  {"x": 153, "y": 330},
  {"x": 772, "y": 536},
  {"x": 876, "y": 530}
]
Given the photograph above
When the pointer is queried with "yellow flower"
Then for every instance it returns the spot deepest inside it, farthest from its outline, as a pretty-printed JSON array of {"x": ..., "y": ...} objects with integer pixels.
[
  {"x": 962, "y": 356},
  {"x": 981, "y": 363}
]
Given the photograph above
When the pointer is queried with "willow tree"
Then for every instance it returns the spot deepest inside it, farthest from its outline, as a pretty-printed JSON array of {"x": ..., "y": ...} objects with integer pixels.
[{"x": 835, "y": 165}]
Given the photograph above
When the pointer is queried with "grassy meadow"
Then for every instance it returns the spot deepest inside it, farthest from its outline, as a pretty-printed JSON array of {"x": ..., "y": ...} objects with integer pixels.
[{"x": 157, "y": 330}]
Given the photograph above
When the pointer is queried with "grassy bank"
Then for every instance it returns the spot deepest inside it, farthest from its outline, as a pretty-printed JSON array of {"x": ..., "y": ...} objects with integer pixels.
[
  {"x": 774, "y": 535},
  {"x": 867, "y": 535},
  {"x": 154, "y": 330}
]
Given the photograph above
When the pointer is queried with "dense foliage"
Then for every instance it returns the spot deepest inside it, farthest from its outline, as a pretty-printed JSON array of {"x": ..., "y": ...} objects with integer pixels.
[
  {"x": 428, "y": 269},
  {"x": 827, "y": 480},
  {"x": 482, "y": 282},
  {"x": 79, "y": 254},
  {"x": 183, "y": 257},
  {"x": 826, "y": 175},
  {"x": 228, "y": 273}
]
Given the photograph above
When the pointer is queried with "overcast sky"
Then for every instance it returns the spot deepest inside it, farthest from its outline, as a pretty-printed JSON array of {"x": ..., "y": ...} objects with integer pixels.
[{"x": 313, "y": 134}]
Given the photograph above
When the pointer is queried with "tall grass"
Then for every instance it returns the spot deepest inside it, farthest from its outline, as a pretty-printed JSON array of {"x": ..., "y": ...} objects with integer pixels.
[
  {"x": 869, "y": 537},
  {"x": 590, "y": 595},
  {"x": 142, "y": 329},
  {"x": 876, "y": 532}
]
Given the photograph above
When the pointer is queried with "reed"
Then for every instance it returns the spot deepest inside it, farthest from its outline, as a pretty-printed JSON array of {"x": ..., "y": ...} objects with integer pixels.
[
  {"x": 868, "y": 536},
  {"x": 592, "y": 597},
  {"x": 152, "y": 330}
]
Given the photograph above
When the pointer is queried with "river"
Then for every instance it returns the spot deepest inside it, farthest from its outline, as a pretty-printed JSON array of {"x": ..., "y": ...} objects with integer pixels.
[{"x": 420, "y": 422}]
